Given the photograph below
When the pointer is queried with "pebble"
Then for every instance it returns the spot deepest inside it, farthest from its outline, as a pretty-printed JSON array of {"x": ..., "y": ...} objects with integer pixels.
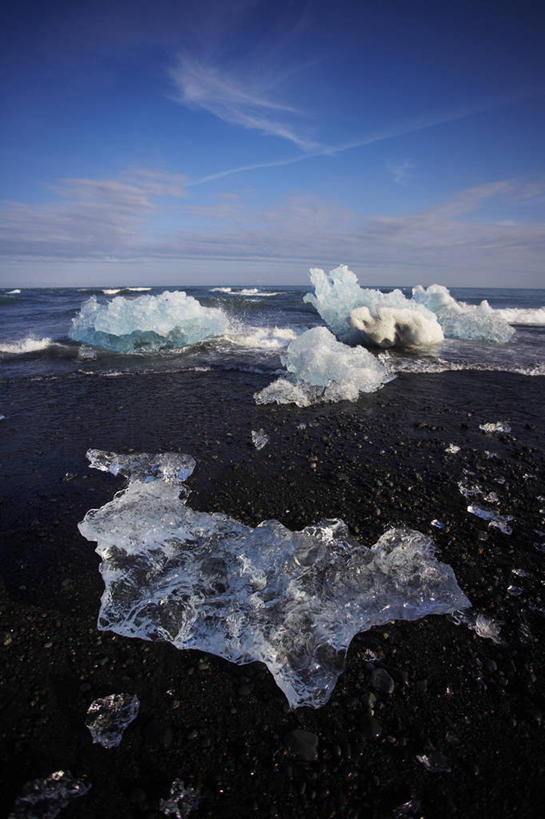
[
  {"x": 381, "y": 681},
  {"x": 303, "y": 744}
]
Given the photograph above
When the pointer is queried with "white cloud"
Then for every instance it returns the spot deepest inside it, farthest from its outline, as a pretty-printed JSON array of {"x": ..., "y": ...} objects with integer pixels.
[{"x": 400, "y": 170}]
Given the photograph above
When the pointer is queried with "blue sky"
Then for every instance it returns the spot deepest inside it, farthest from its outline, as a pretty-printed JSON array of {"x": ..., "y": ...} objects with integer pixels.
[{"x": 243, "y": 142}]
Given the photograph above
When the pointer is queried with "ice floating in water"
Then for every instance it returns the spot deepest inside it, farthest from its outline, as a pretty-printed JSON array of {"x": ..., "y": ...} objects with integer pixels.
[
  {"x": 259, "y": 438},
  {"x": 47, "y": 797},
  {"x": 181, "y": 800},
  {"x": 292, "y": 600},
  {"x": 324, "y": 369},
  {"x": 499, "y": 426},
  {"x": 169, "y": 320},
  {"x": 108, "y": 717},
  {"x": 361, "y": 315}
]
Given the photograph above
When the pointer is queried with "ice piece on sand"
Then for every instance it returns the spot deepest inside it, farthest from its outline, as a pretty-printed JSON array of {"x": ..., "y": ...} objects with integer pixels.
[
  {"x": 434, "y": 762},
  {"x": 452, "y": 449},
  {"x": 108, "y": 717},
  {"x": 495, "y": 519},
  {"x": 292, "y": 600},
  {"x": 486, "y": 627},
  {"x": 259, "y": 438},
  {"x": 325, "y": 370},
  {"x": 181, "y": 801},
  {"x": 438, "y": 524},
  {"x": 169, "y": 320},
  {"x": 499, "y": 426},
  {"x": 47, "y": 797}
]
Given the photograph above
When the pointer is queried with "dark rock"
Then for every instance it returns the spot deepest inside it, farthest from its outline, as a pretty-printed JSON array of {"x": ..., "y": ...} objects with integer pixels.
[
  {"x": 381, "y": 681},
  {"x": 303, "y": 744}
]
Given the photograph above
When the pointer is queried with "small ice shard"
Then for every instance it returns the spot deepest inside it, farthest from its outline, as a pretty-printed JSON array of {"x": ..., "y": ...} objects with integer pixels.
[
  {"x": 47, "y": 797},
  {"x": 498, "y": 426},
  {"x": 491, "y": 497},
  {"x": 469, "y": 491},
  {"x": 514, "y": 591},
  {"x": 259, "y": 438},
  {"x": 2, "y": 417},
  {"x": 452, "y": 449},
  {"x": 434, "y": 762},
  {"x": 323, "y": 369},
  {"x": 290, "y": 599},
  {"x": 181, "y": 801},
  {"x": 108, "y": 717},
  {"x": 486, "y": 627},
  {"x": 495, "y": 519},
  {"x": 438, "y": 524},
  {"x": 169, "y": 320}
]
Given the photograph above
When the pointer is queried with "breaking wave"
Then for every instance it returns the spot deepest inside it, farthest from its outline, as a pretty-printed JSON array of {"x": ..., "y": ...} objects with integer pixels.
[
  {"x": 246, "y": 291},
  {"x": 292, "y": 600},
  {"x": 366, "y": 315},
  {"x": 523, "y": 316},
  {"x": 147, "y": 323},
  {"x": 25, "y": 345}
]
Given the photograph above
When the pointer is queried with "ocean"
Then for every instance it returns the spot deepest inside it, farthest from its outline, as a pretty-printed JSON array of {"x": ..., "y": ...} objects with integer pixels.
[{"x": 259, "y": 324}]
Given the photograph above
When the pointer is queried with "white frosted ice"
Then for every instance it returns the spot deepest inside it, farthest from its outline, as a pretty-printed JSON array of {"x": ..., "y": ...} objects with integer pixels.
[
  {"x": 498, "y": 426},
  {"x": 397, "y": 327},
  {"x": 259, "y": 438},
  {"x": 108, "y": 717},
  {"x": 292, "y": 600},
  {"x": 486, "y": 627},
  {"x": 452, "y": 449},
  {"x": 496, "y": 520},
  {"x": 171, "y": 319},
  {"x": 24, "y": 345},
  {"x": 393, "y": 319},
  {"x": 324, "y": 369},
  {"x": 47, "y": 797}
]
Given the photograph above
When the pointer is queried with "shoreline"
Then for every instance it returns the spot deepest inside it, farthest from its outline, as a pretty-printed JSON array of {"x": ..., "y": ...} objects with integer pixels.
[{"x": 459, "y": 700}]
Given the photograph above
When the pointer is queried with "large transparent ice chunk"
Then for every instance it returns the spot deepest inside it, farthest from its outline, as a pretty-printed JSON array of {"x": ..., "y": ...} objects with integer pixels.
[
  {"x": 169, "y": 320},
  {"x": 292, "y": 600},
  {"x": 366, "y": 315},
  {"x": 47, "y": 797},
  {"x": 324, "y": 369}
]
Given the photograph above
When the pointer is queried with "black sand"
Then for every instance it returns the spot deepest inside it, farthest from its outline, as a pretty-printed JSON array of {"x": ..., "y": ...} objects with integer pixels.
[{"x": 468, "y": 705}]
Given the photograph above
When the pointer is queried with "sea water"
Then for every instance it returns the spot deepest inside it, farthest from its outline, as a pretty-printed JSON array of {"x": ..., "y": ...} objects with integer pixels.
[{"x": 56, "y": 333}]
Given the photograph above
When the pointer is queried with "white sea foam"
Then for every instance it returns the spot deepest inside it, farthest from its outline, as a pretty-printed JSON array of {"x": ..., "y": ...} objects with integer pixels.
[
  {"x": 169, "y": 320},
  {"x": 338, "y": 294},
  {"x": 440, "y": 365},
  {"x": 260, "y": 338},
  {"x": 13, "y": 292},
  {"x": 521, "y": 315},
  {"x": 292, "y": 600},
  {"x": 24, "y": 345},
  {"x": 324, "y": 369},
  {"x": 245, "y": 291},
  {"x": 111, "y": 291}
]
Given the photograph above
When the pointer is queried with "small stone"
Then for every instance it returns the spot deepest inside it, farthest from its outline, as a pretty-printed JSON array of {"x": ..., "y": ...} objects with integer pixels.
[
  {"x": 371, "y": 727},
  {"x": 381, "y": 681},
  {"x": 303, "y": 744}
]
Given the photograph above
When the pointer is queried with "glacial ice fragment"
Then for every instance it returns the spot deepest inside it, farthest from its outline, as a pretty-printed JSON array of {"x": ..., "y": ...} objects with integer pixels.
[
  {"x": 324, "y": 370},
  {"x": 169, "y": 320},
  {"x": 362, "y": 315},
  {"x": 292, "y": 600},
  {"x": 452, "y": 449},
  {"x": 499, "y": 426},
  {"x": 259, "y": 438},
  {"x": 108, "y": 717},
  {"x": 496, "y": 520},
  {"x": 47, "y": 797},
  {"x": 181, "y": 801}
]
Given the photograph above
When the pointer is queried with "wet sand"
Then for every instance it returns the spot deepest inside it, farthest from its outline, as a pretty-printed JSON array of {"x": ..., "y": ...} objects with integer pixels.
[{"x": 462, "y": 704}]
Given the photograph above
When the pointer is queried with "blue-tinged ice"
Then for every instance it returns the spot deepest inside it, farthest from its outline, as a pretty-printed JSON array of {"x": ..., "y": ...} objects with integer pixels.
[
  {"x": 169, "y": 320},
  {"x": 292, "y": 600},
  {"x": 365, "y": 315},
  {"x": 47, "y": 797},
  {"x": 321, "y": 369}
]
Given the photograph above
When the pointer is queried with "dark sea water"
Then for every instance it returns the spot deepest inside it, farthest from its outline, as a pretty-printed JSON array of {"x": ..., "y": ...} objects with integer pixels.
[{"x": 257, "y": 324}]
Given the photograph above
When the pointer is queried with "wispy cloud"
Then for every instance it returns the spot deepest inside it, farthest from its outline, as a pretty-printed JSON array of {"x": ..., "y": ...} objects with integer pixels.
[
  {"x": 401, "y": 170},
  {"x": 101, "y": 220},
  {"x": 240, "y": 102}
]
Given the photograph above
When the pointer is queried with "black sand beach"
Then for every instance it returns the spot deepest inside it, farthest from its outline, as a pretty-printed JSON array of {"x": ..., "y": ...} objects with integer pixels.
[{"x": 470, "y": 708}]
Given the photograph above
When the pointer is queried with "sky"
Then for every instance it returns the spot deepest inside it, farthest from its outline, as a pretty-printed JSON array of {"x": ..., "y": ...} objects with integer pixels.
[{"x": 151, "y": 142}]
